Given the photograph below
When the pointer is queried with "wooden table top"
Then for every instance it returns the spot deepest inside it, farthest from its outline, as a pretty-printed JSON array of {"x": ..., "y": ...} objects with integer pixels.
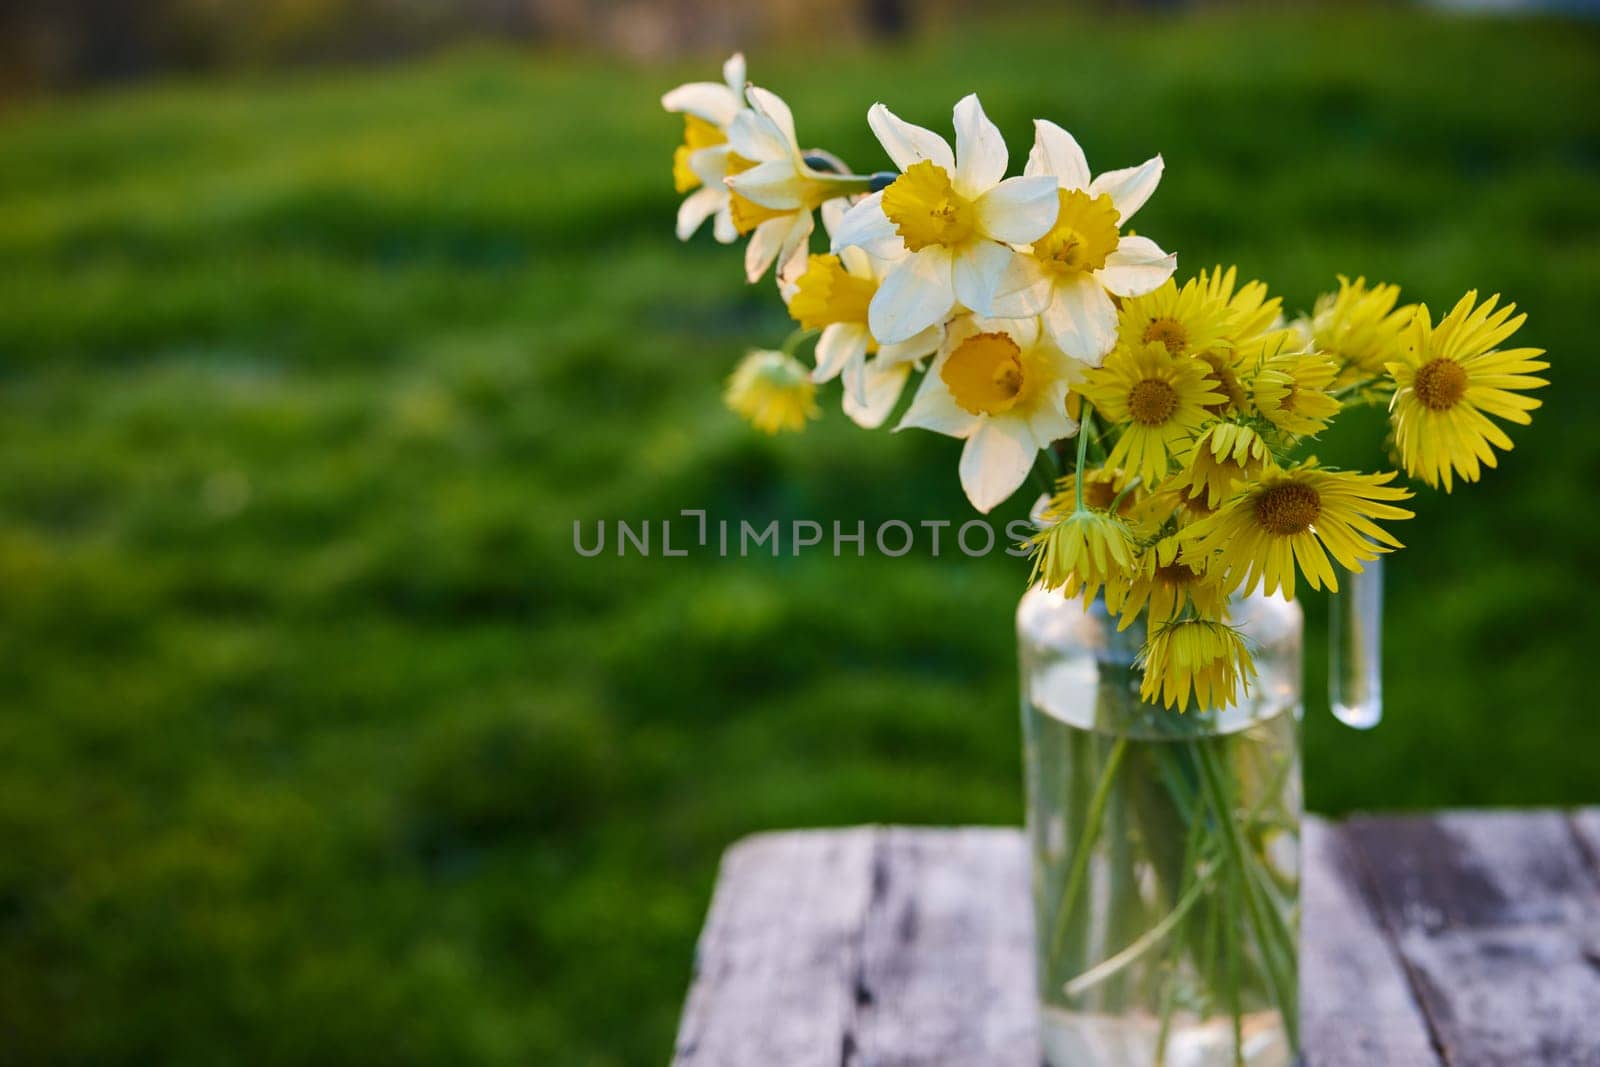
[{"x": 1456, "y": 938}]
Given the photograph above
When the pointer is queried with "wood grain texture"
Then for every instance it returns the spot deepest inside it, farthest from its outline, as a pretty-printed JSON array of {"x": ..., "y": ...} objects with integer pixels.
[
  {"x": 776, "y": 965},
  {"x": 1495, "y": 916},
  {"x": 1357, "y": 1007},
  {"x": 947, "y": 954},
  {"x": 1455, "y": 940}
]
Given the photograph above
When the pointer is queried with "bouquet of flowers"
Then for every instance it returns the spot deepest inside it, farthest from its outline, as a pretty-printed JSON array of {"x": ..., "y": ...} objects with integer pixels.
[{"x": 1030, "y": 313}]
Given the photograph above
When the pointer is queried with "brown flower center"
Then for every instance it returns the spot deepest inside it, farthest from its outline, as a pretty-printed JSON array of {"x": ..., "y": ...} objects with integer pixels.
[
  {"x": 1288, "y": 508},
  {"x": 1440, "y": 384},
  {"x": 1152, "y": 401},
  {"x": 1176, "y": 573},
  {"x": 1169, "y": 332}
]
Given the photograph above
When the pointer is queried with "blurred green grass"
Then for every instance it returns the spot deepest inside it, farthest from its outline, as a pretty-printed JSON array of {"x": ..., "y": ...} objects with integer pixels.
[{"x": 320, "y": 744}]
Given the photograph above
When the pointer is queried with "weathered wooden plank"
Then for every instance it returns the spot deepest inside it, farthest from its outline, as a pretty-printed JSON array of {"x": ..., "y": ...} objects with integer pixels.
[
  {"x": 1586, "y": 822},
  {"x": 1357, "y": 1008},
  {"x": 947, "y": 954},
  {"x": 780, "y": 952},
  {"x": 1495, "y": 917}
]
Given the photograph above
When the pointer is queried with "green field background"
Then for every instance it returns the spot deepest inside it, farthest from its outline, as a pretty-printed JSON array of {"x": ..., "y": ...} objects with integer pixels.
[{"x": 319, "y": 743}]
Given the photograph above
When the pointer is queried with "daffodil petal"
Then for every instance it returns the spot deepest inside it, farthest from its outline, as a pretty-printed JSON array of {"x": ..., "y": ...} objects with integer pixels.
[
  {"x": 1137, "y": 267},
  {"x": 866, "y": 227},
  {"x": 918, "y": 292},
  {"x": 717, "y": 104},
  {"x": 1082, "y": 320},
  {"x": 980, "y": 150},
  {"x": 1018, "y": 210},
  {"x": 840, "y": 343},
  {"x": 907, "y": 143},
  {"x": 1130, "y": 187},
  {"x": 994, "y": 463},
  {"x": 696, "y": 208},
  {"x": 1056, "y": 153}
]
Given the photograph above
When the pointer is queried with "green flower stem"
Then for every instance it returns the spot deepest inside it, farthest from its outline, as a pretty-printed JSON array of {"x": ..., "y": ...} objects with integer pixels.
[
  {"x": 1271, "y": 933},
  {"x": 1086, "y": 842},
  {"x": 1085, "y": 428},
  {"x": 797, "y": 338}
]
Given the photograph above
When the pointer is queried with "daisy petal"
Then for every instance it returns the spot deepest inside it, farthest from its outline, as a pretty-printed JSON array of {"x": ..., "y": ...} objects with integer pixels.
[
  {"x": 980, "y": 150},
  {"x": 1137, "y": 267},
  {"x": 1056, "y": 153},
  {"x": 995, "y": 462},
  {"x": 1018, "y": 210},
  {"x": 717, "y": 104},
  {"x": 907, "y": 143},
  {"x": 1129, "y": 187},
  {"x": 1082, "y": 320},
  {"x": 917, "y": 293}
]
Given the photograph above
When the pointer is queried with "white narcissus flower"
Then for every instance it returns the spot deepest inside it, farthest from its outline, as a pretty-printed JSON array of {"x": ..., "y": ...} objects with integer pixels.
[
  {"x": 957, "y": 215},
  {"x": 773, "y": 191},
  {"x": 1000, "y": 384},
  {"x": 833, "y": 295},
  {"x": 700, "y": 164},
  {"x": 1085, "y": 258}
]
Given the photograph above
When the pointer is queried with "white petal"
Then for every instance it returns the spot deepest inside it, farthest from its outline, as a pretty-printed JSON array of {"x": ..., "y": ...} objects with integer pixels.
[
  {"x": 933, "y": 408},
  {"x": 710, "y": 165},
  {"x": 1082, "y": 320},
  {"x": 865, "y": 226},
  {"x": 773, "y": 107},
  {"x": 1050, "y": 422},
  {"x": 1018, "y": 210},
  {"x": 857, "y": 262},
  {"x": 795, "y": 250},
  {"x": 717, "y": 104},
  {"x": 977, "y": 270},
  {"x": 757, "y": 138},
  {"x": 696, "y": 208},
  {"x": 1023, "y": 288},
  {"x": 907, "y": 143},
  {"x": 922, "y": 345},
  {"x": 776, "y": 183},
  {"x": 833, "y": 212},
  {"x": 980, "y": 150},
  {"x": 879, "y": 388},
  {"x": 1056, "y": 153},
  {"x": 1138, "y": 266},
  {"x": 917, "y": 293},
  {"x": 840, "y": 343},
  {"x": 1129, "y": 187},
  {"x": 723, "y": 228},
  {"x": 733, "y": 72},
  {"x": 995, "y": 462}
]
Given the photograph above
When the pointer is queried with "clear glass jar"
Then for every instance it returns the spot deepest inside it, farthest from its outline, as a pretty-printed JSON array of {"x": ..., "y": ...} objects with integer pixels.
[{"x": 1165, "y": 846}]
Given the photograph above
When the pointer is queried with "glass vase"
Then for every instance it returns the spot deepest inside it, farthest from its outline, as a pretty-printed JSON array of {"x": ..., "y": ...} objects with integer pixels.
[{"x": 1165, "y": 846}]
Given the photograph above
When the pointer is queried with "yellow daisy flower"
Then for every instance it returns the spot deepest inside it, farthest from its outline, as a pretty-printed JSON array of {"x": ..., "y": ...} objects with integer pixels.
[
  {"x": 1252, "y": 311},
  {"x": 1293, "y": 389},
  {"x": 1202, "y": 656},
  {"x": 1289, "y": 517},
  {"x": 1224, "y": 455},
  {"x": 1167, "y": 579},
  {"x": 1082, "y": 553},
  {"x": 1101, "y": 488},
  {"x": 772, "y": 391},
  {"x": 1360, "y": 327},
  {"x": 1162, "y": 400},
  {"x": 1450, "y": 379},
  {"x": 1187, "y": 321}
]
